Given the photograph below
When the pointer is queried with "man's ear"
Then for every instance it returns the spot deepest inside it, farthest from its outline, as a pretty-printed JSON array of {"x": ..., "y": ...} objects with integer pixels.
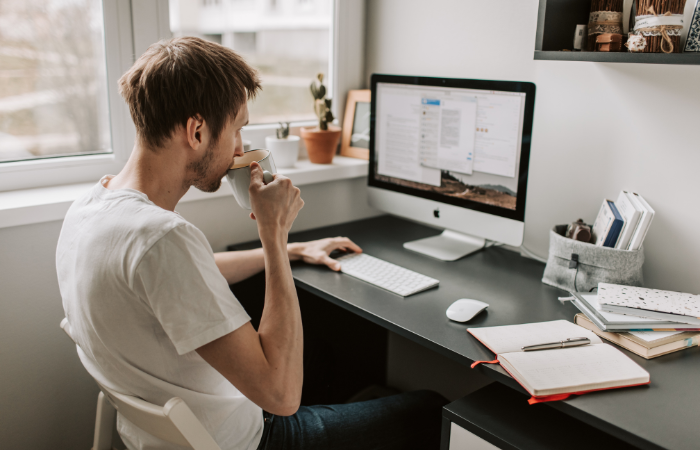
[{"x": 195, "y": 130}]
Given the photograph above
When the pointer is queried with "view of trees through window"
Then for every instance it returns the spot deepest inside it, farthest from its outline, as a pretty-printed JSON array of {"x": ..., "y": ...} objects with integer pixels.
[
  {"x": 53, "y": 85},
  {"x": 288, "y": 41}
]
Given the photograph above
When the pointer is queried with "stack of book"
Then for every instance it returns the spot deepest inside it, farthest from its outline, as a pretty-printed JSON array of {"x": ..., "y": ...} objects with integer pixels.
[
  {"x": 650, "y": 303},
  {"x": 648, "y": 322},
  {"x": 624, "y": 223}
]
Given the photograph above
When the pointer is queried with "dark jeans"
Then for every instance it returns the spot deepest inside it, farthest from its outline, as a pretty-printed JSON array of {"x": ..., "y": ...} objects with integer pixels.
[{"x": 405, "y": 421}]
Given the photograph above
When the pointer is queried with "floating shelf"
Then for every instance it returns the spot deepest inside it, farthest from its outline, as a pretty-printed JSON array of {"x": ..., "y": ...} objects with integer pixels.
[
  {"x": 556, "y": 24},
  {"x": 620, "y": 57}
]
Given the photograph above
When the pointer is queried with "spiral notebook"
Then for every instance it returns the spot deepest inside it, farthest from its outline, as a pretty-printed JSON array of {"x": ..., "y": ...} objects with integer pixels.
[{"x": 550, "y": 375}]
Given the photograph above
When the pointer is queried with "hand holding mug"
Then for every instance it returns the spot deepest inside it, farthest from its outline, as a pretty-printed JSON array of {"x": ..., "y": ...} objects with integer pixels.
[
  {"x": 276, "y": 204},
  {"x": 239, "y": 173}
]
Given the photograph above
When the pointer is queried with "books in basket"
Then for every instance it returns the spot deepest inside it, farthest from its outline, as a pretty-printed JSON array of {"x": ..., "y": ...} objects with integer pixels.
[
  {"x": 556, "y": 374},
  {"x": 642, "y": 227},
  {"x": 607, "y": 321},
  {"x": 650, "y": 303},
  {"x": 631, "y": 211},
  {"x": 646, "y": 344},
  {"x": 608, "y": 225},
  {"x": 624, "y": 223}
]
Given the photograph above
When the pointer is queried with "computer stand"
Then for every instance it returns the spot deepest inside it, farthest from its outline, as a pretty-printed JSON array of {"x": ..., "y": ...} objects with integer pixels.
[{"x": 448, "y": 246}]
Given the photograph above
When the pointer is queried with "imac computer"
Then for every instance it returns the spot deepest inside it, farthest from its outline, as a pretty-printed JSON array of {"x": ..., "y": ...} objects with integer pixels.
[{"x": 454, "y": 154}]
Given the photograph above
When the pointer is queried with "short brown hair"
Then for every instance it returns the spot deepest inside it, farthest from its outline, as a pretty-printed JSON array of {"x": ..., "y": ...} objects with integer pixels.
[{"x": 179, "y": 78}]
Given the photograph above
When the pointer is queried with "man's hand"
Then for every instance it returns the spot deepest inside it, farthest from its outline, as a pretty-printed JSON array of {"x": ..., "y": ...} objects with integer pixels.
[
  {"x": 317, "y": 252},
  {"x": 275, "y": 205}
]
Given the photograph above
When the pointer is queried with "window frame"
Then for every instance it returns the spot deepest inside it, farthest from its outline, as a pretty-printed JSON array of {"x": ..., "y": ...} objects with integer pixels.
[
  {"x": 80, "y": 168},
  {"x": 130, "y": 27},
  {"x": 345, "y": 70}
]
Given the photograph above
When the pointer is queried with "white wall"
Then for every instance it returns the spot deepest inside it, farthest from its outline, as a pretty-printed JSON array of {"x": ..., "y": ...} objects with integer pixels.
[
  {"x": 47, "y": 399},
  {"x": 598, "y": 128}
]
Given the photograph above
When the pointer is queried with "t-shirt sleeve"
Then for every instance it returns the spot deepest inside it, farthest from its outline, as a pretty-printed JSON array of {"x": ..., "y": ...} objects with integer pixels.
[{"x": 182, "y": 285}]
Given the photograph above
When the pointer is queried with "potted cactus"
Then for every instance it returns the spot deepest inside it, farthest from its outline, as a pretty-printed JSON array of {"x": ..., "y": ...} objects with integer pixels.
[
  {"x": 321, "y": 141},
  {"x": 284, "y": 147}
]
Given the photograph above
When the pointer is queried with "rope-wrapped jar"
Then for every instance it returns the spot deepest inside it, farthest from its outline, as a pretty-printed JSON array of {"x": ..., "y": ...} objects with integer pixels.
[
  {"x": 605, "y": 18},
  {"x": 657, "y": 26}
]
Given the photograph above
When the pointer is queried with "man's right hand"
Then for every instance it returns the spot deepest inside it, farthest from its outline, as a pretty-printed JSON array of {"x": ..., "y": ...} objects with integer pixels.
[{"x": 275, "y": 205}]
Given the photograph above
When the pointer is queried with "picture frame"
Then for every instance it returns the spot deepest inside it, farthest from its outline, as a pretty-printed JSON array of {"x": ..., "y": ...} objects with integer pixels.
[{"x": 355, "y": 141}]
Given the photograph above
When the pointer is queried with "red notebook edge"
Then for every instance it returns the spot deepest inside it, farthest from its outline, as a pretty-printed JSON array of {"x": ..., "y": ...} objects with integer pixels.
[{"x": 545, "y": 398}]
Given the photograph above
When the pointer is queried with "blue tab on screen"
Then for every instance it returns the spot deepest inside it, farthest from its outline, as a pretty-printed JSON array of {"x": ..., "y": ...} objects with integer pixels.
[{"x": 430, "y": 101}]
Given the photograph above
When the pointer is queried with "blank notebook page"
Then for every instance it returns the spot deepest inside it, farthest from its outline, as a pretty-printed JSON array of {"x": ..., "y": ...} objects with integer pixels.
[
  {"x": 511, "y": 338},
  {"x": 549, "y": 372}
]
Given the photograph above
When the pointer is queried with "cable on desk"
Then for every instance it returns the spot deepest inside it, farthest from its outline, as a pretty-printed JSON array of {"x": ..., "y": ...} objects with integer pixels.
[{"x": 532, "y": 255}]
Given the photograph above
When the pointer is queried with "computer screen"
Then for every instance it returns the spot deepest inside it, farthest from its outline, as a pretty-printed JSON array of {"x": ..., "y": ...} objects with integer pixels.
[{"x": 457, "y": 141}]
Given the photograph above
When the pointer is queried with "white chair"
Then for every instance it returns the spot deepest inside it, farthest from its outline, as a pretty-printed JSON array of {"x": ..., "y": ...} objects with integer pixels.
[{"x": 174, "y": 422}]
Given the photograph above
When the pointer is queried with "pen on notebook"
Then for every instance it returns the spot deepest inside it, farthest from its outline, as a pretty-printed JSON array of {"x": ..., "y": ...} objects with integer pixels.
[{"x": 571, "y": 342}]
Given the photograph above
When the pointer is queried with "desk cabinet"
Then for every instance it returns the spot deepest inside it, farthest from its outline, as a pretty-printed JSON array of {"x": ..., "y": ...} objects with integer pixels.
[
  {"x": 498, "y": 417},
  {"x": 461, "y": 439}
]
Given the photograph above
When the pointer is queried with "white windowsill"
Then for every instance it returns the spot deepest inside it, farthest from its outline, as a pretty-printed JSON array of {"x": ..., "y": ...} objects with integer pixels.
[{"x": 30, "y": 206}]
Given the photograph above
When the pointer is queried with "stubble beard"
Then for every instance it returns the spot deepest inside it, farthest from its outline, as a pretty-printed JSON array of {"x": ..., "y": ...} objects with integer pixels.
[{"x": 203, "y": 178}]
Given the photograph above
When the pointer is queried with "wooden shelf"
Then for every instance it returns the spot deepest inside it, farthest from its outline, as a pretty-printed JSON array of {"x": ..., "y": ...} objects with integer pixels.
[
  {"x": 620, "y": 57},
  {"x": 556, "y": 24}
]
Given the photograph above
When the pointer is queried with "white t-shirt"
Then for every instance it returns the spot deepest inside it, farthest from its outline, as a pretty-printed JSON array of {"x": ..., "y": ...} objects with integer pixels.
[{"x": 141, "y": 292}]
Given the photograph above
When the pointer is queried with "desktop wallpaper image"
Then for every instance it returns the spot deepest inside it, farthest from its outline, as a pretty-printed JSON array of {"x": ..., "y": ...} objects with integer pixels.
[{"x": 449, "y": 185}]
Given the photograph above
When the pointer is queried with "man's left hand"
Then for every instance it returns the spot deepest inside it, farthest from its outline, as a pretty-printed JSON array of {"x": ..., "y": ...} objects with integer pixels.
[{"x": 317, "y": 252}]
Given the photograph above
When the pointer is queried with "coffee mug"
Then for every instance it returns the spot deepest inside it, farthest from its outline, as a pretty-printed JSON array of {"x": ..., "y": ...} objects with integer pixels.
[{"x": 239, "y": 173}]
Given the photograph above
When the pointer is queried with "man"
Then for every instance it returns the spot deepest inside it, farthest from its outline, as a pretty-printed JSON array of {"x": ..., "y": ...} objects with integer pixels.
[{"x": 150, "y": 304}]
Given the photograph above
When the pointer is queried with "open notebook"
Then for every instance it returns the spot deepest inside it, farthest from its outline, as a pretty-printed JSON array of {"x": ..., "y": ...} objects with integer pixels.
[{"x": 556, "y": 374}]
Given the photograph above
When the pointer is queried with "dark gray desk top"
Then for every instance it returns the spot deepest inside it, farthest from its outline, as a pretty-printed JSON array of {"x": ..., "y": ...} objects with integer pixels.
[{"x": 660, "y": 415}]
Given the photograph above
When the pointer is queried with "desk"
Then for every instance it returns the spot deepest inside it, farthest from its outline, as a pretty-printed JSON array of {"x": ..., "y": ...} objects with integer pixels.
[{"x": 661, "y": 415}]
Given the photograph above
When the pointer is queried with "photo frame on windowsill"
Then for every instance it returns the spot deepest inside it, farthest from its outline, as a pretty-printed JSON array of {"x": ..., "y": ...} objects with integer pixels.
[{"x": 355, "y": 143}]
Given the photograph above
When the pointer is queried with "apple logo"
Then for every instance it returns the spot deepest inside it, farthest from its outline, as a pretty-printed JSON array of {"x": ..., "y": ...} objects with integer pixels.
[{"x": 436, "y": 213}]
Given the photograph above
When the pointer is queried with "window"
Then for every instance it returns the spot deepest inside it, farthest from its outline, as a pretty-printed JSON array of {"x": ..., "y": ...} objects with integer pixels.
[
  {"x": 62, "y": 120},
  {"x": 53, "y": 82},
  {"x": 288, "y": 41}
]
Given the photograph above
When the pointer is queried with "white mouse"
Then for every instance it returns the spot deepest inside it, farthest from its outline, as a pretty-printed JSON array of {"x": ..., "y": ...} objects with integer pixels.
[{"x": 465, "y": 309}]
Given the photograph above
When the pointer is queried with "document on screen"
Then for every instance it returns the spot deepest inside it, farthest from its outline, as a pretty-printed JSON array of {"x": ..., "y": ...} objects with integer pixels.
[
  {"x": 398, "y": 137},
  {"x": 498, "y": 125},
  {"x": 447, "y": 132}
]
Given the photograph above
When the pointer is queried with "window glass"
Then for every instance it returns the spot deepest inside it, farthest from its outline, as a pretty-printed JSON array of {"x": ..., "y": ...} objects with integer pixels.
[
  {"x": 53, "y": 83},
  {"x": 288, "y": 41}
]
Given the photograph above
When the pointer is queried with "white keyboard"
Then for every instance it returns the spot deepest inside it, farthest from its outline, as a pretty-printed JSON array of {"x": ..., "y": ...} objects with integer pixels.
[{"x": 385, "y": 275}]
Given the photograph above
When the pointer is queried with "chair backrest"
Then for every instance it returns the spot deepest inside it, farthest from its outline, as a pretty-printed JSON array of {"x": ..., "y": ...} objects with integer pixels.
[{"x": 174, "y": 422}]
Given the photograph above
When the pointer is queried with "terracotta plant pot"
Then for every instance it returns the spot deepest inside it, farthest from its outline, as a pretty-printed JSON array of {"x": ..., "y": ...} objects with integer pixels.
[{"x": 321, "y": 145}]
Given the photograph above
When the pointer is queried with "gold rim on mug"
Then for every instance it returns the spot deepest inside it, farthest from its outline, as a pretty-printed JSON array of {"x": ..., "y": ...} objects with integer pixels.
[{"x": 255, "y": 160}]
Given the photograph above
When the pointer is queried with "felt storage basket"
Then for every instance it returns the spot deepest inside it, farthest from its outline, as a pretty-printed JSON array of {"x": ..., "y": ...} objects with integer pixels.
[{"x": 579, "y": 266}]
